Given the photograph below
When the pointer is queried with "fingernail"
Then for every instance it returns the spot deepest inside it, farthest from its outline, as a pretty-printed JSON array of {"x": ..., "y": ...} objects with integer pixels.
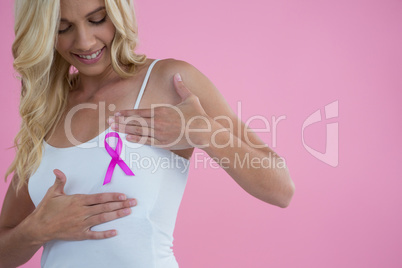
[
  {"x": 110, "y": 121},
  {"x": 122, "y": 197},
  {"x": 178, "y": 77},
  {"x": 127, "y": 211},
  {"x": 133, "y": 202},
  {"x": 117, "y": 114}
]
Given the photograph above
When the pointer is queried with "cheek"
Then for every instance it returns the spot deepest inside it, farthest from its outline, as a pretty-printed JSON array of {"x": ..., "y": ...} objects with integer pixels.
[
  {"x": 59, "y": 50},
  {"x": 110, "y": 32},
  {"x": 62, "y": 46},
  {"x": 64, "y": 51}
]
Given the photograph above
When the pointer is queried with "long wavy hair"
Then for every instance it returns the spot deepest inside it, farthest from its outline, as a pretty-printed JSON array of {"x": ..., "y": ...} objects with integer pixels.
[{"x": 46, "y": 78}]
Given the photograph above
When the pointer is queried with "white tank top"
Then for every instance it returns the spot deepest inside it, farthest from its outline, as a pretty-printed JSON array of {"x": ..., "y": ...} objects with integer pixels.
[{"x": 145, "y": 237}]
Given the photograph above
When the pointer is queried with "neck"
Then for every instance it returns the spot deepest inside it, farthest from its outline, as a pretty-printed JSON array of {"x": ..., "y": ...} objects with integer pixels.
[{"x": 89, "y": 86}]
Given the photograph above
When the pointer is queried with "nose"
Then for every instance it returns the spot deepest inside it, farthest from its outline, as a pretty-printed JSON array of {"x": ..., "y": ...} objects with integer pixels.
[{"x": 85, "y": 40}]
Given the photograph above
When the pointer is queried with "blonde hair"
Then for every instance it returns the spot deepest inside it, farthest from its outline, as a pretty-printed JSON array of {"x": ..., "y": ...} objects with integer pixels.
[{"x": 45, "y": 75}]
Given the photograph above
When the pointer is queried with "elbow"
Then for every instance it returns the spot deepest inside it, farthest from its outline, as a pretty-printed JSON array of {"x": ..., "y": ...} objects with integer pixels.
[
  {"x": 285, "y": 187},
  {"x": 288, "y": 194},
  {"x": 278, "y": 187}
]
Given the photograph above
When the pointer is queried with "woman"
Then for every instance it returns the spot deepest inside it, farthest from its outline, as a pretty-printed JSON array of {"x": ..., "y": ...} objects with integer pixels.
[{"x": 88, "y": 201}]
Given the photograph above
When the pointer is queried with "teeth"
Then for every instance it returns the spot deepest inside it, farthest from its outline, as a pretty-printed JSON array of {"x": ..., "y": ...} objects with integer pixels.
[{"x": 93, "y": 56}]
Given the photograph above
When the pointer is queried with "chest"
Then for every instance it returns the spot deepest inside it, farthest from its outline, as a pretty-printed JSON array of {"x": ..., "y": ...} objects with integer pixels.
[
  {"x": 85, "y": 117},
  {"x": 86, "y": 168}
]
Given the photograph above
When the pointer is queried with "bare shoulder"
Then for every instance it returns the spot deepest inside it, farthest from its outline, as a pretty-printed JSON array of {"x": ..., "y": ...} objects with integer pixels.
[
  {"x": 161, "y": 89},
  {"x": 194, "y": 79},
  {"x": 210, "y": 98}
]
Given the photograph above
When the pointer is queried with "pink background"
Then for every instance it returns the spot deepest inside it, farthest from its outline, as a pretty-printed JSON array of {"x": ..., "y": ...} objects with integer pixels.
[{"x": 286, "y": 58}]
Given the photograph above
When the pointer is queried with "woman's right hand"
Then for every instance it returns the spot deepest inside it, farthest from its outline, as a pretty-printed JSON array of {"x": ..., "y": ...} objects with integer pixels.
[{"x": 70, "y": 217}]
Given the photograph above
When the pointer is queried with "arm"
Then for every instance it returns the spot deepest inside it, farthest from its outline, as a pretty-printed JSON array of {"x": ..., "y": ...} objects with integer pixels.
[
  {"x": 17, "y": 244},
  {"x": 245, "y": 157},
  {"x": 259, "y": 171},
  {"x": 24, "y": 228},
  {"x": 215, "y": 130}
]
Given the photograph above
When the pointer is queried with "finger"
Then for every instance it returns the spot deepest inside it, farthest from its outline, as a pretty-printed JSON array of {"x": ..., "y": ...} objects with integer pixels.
[
  {"x": 135, "y": 113},
  {"x": 100, "y": 234},
  {"x": 134, "y": 130},
  {"x": 107, "y": 216},
  {"x": 111, "y": 206},
  {"x": 181, "y": 89},
  {"x": 59, "y": 182},
  {"x": 133, "y": 121},
  {"x": 144, "y": 140},
  {"x": 100, "y": 198}
]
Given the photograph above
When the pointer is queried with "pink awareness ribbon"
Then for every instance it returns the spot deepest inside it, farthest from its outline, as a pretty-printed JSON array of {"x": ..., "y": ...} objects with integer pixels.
[{"x": 115, "y": 154}]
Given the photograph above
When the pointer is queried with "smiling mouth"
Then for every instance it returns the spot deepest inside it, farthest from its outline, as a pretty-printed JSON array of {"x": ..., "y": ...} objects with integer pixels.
[{"x": 90, "y": 56}]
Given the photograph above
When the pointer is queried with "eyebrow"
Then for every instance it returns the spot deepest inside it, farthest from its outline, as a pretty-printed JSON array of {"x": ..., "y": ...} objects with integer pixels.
[{"x": 87, "y": 15}]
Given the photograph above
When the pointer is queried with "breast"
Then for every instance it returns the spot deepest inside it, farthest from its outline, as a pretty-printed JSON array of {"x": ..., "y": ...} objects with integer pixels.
[
  {"x": 159, "y": 177},
  {"x": 145, "y": 237}
]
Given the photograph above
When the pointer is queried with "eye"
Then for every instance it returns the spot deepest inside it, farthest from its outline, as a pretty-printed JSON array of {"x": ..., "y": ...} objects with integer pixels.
[
  {"x": 65, "y": 30},
  {"x": 93, "y": 22},
  {"x": 100, "y": 21}
]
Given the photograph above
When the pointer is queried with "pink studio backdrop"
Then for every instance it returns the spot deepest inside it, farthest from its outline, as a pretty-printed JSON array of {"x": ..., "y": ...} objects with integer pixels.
[{"x": 282, "y": 59}]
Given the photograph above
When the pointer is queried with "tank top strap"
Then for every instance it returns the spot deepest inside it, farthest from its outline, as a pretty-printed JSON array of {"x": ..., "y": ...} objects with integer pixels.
[{"x": 144, "y": 84}]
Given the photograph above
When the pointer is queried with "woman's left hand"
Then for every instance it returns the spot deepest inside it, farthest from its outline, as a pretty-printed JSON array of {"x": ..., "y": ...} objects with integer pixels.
[{"x": 173, "y": 127}]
